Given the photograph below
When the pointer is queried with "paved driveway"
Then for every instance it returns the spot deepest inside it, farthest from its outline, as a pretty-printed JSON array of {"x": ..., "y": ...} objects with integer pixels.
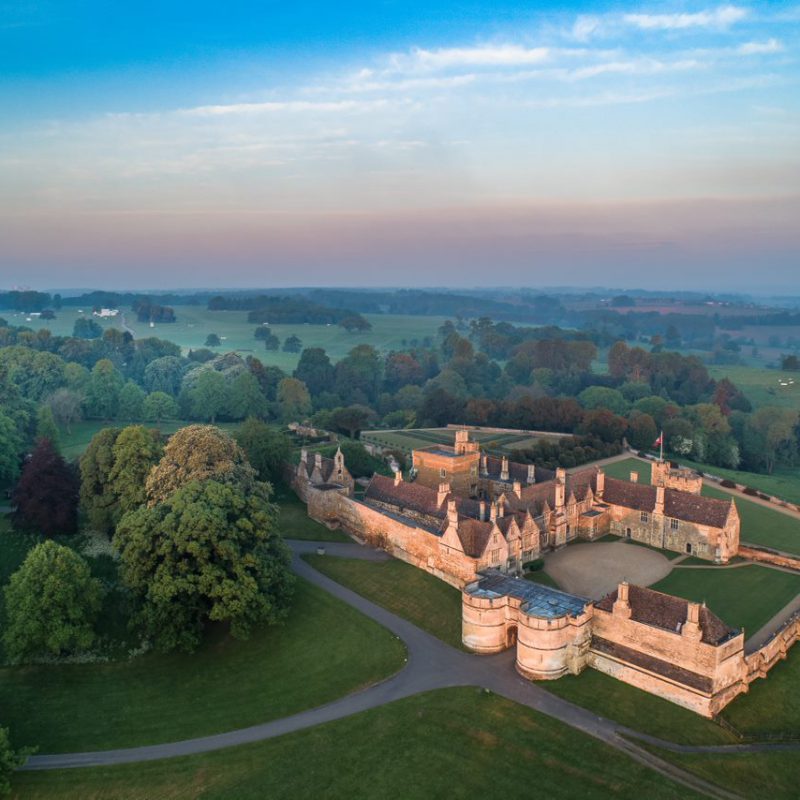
[{"x": 594, "y": 569}]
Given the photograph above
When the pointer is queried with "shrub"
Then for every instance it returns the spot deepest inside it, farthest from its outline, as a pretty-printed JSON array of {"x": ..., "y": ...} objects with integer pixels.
[
  {"x": 533, "y": 566},
  {"x": 727, "y": 484},
  {"x": 749, "y": 490}
]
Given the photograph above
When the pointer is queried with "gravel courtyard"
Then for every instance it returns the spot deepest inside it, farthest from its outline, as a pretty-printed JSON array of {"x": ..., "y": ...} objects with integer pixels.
[{"x": 594, "y": 570}]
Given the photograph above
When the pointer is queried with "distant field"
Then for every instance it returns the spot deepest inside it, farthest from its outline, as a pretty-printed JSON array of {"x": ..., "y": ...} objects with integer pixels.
[
  {"x": 760, "y": 525},
  {"x": 762, "y": 387},
  {"x": 194, "y": 323},
  {"x": 414, "y": 439},
  {"x": 74, "y": 443}
]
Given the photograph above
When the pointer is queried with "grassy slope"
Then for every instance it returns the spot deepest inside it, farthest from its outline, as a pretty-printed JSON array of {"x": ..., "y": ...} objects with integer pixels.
[
  {"x": 743, "y": 597},
  {"x": 760, "y": 525},
  {"x": 325, "y": 650},
  {"x": 407, "y": 591},
  {"x": 453, "y": 743},
  {"x": 294, "y": 522},
  {"x": 750, "y": 775}
]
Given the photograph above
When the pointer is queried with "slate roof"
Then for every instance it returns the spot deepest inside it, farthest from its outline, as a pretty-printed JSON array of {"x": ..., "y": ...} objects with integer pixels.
[
  {"x": 669, "y": 613},
  {"x": 652, "y": 664},
  {"x": 327, "y": 467},
  {"x": 537, "y": 600},
  {"x": 680, "y": 505},
  {"x": 516, "y": 471},
  {"x": 416, "y": 497}
]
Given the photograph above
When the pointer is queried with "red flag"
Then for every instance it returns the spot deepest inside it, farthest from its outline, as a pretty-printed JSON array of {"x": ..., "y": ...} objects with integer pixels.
[{"x": 658, "y": 442}]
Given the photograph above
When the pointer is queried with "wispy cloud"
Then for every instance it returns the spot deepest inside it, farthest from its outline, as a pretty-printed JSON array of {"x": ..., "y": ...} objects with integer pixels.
[
  {"x": 491, "y": 55},
  {"x": 722, "y": 17},
  {"x": 760, "y": 48}
]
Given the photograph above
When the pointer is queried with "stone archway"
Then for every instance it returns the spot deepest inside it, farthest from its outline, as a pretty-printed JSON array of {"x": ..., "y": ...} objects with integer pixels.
[{"x": 511, "y": 635}]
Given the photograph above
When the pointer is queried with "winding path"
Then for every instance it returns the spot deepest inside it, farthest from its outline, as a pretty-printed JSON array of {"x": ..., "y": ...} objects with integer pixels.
[{"x": 432, "y": 664}]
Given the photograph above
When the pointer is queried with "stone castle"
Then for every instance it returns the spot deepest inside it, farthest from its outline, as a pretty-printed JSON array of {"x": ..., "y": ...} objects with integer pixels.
[{"x": 474, "y": 520}]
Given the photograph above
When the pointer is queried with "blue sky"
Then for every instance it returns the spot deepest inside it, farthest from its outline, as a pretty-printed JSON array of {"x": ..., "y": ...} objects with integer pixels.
[{"x": 398, "y": 143}]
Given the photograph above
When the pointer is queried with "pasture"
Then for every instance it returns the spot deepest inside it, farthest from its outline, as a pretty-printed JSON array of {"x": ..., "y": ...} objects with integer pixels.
[{"x": 763, "y": 387}]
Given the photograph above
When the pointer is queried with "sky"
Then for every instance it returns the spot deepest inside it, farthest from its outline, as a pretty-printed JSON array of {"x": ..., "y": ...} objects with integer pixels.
[{"x": 387, "y": 143}]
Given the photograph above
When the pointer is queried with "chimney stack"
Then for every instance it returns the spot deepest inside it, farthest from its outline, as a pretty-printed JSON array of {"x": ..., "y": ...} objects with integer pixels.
[
  {"x": 318, "y": 460},
  {"x": 504, "y": 469},
  {"x": 518, "y": 489},
  {"x": 398, "y": 477},
  {"x": 691, "y": 628},
  {"x": 634, "y": 476},
  {"x": 484, "y": 465},
  {"x": 304, "y": 455},
  {"x": 659, "y": 508},
  {"x": 531, "y": 473},
  {"x": 493, "y": 511},
  {"x": 444, "y": 490},
  {"x": 622, "y": 606},
  {"x": 452, "y": 512},
  {"x": 482, "y": 511},
  {"x": 601, "y": 483}
]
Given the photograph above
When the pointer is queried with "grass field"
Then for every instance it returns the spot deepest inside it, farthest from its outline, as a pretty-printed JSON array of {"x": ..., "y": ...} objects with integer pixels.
[
  {"x": 762, "y": 387},
  {"x": 745, "y": 597},
  {"x": 73, "y": 444},
  {"x": 451, "y": 743},
  {"x": 433, "y": 605},
  {"x": 760, "y": 524},
  {"x": 749, "y": 775},
  {"x": 323, "y": 651}
]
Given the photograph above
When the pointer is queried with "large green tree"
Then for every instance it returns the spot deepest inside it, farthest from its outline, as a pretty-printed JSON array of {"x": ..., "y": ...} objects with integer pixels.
[
  {"x": 293, "y": 399},
  {"x": 131, "y": 403},
  {"x": 267, "y": 449},
  {"x": 198, "y": 453},
  {"x": 11, "y": 447},
  {"x": 159, "y": 406},
  {"x": 315, "y": 370},
  {"x": 208, "y": 553},
  {"x": 105, "y": 385},
  {"x": 245, "y": 398},
  {"x": 135, "y": 452},
  {"x": 52, "y": 602},
  {"x": 10, "y": 760},
  {"x": 209, "y": 395},
  {"x": 97, "y": 499}
]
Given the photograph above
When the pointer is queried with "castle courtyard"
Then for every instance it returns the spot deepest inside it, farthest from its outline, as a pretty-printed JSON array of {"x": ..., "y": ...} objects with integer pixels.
[{"x": 594, "y": 570}]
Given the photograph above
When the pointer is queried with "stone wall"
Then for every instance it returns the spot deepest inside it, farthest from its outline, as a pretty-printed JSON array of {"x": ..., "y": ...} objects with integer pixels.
[
  {"x": 776, "y": 649},
  {"x": 460, "y": 471},
  {"x": 675, "y": 665},
  {"x": 399, "y": 537},
  {"x": 770, "y": 557}
]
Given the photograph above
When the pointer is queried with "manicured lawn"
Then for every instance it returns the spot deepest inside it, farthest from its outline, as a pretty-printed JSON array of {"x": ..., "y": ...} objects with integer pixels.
[
  {"x": 411, "y": 593},
  {"x": 760, "y": 525},
  {"x": 745, "y": 597},
  {"x": 762, "y": 387},
  {"x": 751, "y": 775},
  {"x": 452, "y": 743},
  {"x": 294, "y": 522},
  {"x": 637, "y": 709},
  {"x": 772, "y": 706},
  {"x": 324, "y": 650}
]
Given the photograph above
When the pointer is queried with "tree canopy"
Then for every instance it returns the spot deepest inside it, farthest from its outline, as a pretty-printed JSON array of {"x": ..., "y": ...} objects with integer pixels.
[
  {"x": 207, "y": 553},
  {"x": 52, "y": 602}
]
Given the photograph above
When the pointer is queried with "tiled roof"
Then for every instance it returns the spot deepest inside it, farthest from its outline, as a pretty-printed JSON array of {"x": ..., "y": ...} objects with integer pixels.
[
  {"x": 474, "y": 535},
  {"x": 537, "y": 600},
  {"x": 680, "y": 505},
  {"x": 326, "y": 467},
  {"x": 637, "y": 496},
  {"x": 652, "y": 664},
  {"x": 696, "y": 508},
  {"x": 668, "y": 612},
  {"x": 414, "y": 496}
]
